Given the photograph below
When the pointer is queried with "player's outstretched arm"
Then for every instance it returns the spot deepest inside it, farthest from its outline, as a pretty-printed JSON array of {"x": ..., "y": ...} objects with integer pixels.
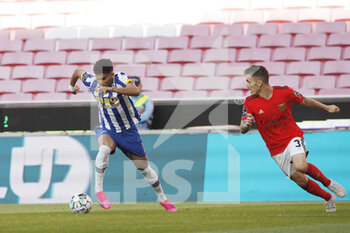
[
  {"x": 75, "y": 76},
  {"x": 246, "y": 124},
  {"x": 312, "y": 103},
  {"x": 131, "y": 89}
]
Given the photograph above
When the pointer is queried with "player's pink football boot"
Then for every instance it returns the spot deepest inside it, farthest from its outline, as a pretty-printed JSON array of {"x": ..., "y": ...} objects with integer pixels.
[
  {"x": 168, "y": 206},
  {"x": 103, "y": 200}
]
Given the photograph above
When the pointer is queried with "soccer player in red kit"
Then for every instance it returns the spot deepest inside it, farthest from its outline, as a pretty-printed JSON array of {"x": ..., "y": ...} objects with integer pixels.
[{"x": 270, "y": 108}]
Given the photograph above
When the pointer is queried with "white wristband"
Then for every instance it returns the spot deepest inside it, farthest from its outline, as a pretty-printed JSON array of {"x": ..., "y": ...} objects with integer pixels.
[{"x": 71, "y": 88}]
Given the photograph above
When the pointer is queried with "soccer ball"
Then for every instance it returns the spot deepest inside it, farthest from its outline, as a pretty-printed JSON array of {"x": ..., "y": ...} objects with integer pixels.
[{"x": 80, "y": 203}]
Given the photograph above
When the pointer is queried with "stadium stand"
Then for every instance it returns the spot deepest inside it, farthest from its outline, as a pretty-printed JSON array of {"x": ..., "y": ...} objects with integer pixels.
[{"x": 291, "y": 38}]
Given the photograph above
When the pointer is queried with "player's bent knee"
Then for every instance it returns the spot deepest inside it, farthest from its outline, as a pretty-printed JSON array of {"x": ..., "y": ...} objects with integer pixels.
[{"x": 150, "y": 175}]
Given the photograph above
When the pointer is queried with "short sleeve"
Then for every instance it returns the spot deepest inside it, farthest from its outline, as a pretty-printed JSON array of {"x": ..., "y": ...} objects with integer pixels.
[
  {"x": 245, "y": 110},
  {"x": 88, "y": 79},
  {"x": 295, "y": 96}
]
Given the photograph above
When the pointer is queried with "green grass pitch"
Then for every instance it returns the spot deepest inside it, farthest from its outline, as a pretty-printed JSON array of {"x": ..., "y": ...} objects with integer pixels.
[{"x": 257, "y": 217}]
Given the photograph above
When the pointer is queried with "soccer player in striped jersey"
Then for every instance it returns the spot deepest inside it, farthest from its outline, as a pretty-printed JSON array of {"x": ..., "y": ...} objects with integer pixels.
[
  {"x": 117, "y": 116},
  {"x": 270, "y": 108}
]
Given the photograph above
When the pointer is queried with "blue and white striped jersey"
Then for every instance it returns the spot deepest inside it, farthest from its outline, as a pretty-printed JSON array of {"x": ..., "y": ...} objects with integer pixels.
[{"x": 116, "y": 111}]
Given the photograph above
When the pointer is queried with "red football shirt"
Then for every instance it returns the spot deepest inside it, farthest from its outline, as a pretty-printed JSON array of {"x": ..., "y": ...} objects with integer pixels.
[{"x": 273, "y": 117}]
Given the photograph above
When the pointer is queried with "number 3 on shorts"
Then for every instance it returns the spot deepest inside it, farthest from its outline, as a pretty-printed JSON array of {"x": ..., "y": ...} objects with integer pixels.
[{"x": 299, "y": 143}]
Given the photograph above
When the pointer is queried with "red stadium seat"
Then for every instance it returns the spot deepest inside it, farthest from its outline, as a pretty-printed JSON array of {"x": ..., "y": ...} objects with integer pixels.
[
  {"x": 25, "y": 34},
  {"x": 339, "y": 39},
  {"x": 83, "y": 58},
  {"x": 139, "y": 43},
  {"x": 195, "y": 30},
  {"x": 319, "y": 82},
  {"x": 38, "y": 45},
  {"x": 262, "y": 29},
  {"x": 59, "y": 72},
  {"x": 231, "y": 69},
  {"x": 228, "y": 93},
  {"x": 175, "y": 84},
  {"x": 50, "y": 58},
  {"x": 17, "y": 59},
  {"x": 15, "y": 22},
  {"x": 190, "y": 94},
  {"x": 150, "y": 84},
  {"x": 206, "y": 42},
  {"x": 296, "y": 28},
  {"x": 185, "y": 56},
  {"x": 330, "y": 27},
  {"x": 73, "y": 45},
  {"x": 50, "y": 96},
  {"x": 337, "y": 67},
  {"x": 132, "y": 70},
  {"x": 62, "y": 33},
  {"x": 346, "y": 55},
  {"x": 28, "y": 72},
  {"x": 216, "y": 83},
  {"x": 4, "y": 34},
  {"x": 7, "y": 45},
  {"x": 94, "y": 32},
  {"x": 310, "y": 40},
  {"x": 303, "y": 68},
  {"x": 238, "y": 83},
  {"x": 291, "y": 81},
  {"x": 240, "y": 41},
  {"x": 248, "y": 17},
  {"x": 151, "y": 56},
  {"x": 166, "y": 70},
  {"x": 314, "y": 15},
  {"x": 274, "y": 68},
  {"x": 289, "y": 54},
  {"x": 62, "y": 86},
  {"x": 341, "y": 14},
  {"x": 161, "y": 31},
  {"x": 228, "y": 30},
  {"x": 81, "y": 96},
  {"x": 253, "y": 55},
  {"x": 306, "y": 92},
  {"x": 127, "y": 31},
  {"x": 199, "y": 69},
  {"x": 173, "y": 43},
  {"x": 17, "y": 97},
  {"x": 155, "y": 95},
  {"x": 119, "y": 57},
  {"x": 219, "y": 55},
  {"x": 103, "y": 44},
  {"x": 281, "y": 16},
  {"x": 36, "y": 86},
  {"x": 324, "y": 53},
  {"x": 344, "y": 81},
  {"x": 5, "y": 72},
  {"x": 10, "y": 86},
  {"x": 274, "y": 41},
  {"x": 48, "y": 21},
  {"x": 335, "y": 91}
]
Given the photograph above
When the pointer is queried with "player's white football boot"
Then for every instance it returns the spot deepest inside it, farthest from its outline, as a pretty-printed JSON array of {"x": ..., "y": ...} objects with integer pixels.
[
  {"x": 330, "y": 205},
  {"x": 337, "y": 189}
]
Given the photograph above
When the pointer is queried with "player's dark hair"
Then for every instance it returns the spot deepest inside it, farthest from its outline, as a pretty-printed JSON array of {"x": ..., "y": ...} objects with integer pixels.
[
  {"x": 103, "y": 66},
  {"x": 259, "y": 72}
]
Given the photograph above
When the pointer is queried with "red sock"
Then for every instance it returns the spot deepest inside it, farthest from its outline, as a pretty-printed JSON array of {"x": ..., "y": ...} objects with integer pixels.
[
  {"x": 313, "y": 188},
  {"x": 315, "y": 173}
]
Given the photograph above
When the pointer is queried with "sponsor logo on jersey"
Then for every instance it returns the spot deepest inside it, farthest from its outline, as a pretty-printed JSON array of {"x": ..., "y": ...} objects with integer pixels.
[{"x": 261, "y": 111}]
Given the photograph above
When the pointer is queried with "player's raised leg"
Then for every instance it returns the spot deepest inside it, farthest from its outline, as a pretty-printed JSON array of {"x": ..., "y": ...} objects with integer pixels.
[
  {"x": 151, "y": 177},
  {"x": 101, "y": 163}
]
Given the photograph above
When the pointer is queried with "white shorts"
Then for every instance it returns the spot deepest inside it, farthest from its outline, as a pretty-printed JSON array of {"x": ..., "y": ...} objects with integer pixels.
[{"x": 284, "y": 159}]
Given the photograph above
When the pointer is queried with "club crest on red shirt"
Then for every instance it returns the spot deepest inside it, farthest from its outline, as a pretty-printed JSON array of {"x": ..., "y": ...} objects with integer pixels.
[{"x": 282, "y": 107}]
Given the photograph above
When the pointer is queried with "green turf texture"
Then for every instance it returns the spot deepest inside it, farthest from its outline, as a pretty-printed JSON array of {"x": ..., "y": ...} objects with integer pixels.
[{"x": 257, "y": 217}]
